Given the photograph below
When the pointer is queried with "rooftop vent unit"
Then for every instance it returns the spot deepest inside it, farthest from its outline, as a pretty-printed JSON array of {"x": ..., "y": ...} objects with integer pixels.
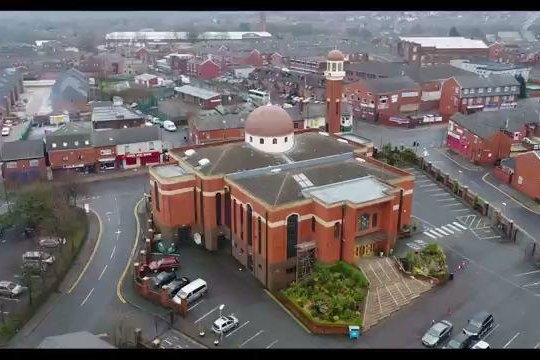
[
  {"x": 189, "y": 152},
  {"x": 275, "y": 171},
  {"x": 204, "y": 162},
  {"x": 323, "y": 133},
  {"x": 343, "y": 141},
  {"x": 119, "y": 115}
]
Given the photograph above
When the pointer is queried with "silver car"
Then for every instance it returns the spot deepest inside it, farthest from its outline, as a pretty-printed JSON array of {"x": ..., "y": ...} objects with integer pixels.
[
  {"x": 224, "y": 324},
  {"x": 437, "y": 333},
  {"x": 10, "y": 289}
]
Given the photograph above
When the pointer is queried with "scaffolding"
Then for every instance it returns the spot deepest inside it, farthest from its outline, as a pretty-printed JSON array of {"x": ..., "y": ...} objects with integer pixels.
[{"x": 305, "y": 260}]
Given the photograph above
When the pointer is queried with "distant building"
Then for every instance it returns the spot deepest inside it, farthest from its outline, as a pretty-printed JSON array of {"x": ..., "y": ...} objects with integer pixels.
[
  {"x": 485, "y": 67},
  {"x": 310, "y": 65},
  {"x": 147, "y": 80},
  {"x": 203, "y": 69},
  {"x": 23, "y": 162},
  {"x": 70, "y": 147},
  {"x": 426, "y": 51},
  {"x": 206, "y": 99},
  {"x": 70, "y": 93},
  {"x": 108, "y": 115},
  {"x": 374, "y": 70}
]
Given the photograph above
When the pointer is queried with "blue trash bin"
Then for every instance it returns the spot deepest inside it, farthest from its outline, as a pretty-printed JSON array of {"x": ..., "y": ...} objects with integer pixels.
[{"x": 354, "y": 331}]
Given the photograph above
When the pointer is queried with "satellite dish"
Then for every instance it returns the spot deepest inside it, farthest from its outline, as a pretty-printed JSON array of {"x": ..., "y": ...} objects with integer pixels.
[{"x": 197, "y": 238}]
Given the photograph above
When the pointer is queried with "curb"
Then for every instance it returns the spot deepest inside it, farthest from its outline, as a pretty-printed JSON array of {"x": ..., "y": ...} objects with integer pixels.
[
  {"x": 288, "y": 312},
  {"x": 507, "y": 194}
]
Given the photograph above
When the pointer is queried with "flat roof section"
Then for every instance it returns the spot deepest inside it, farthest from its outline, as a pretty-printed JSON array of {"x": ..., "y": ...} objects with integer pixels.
[
  {"x": 312, "y": 145},
  {"x": 357, "y": 191},
  {"x": 169, "y": 171},
  {"x": 447, "y": 42},
  {"x": 113, "y": 112},
  {"x": 196, "y": 92}
]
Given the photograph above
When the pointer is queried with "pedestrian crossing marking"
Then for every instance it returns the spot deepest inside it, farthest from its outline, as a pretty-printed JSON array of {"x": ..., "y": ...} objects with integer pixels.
[
  {"x": 459, "y": 225},
  {"x": 435, "y": 233},
  {"x": 453, "y": 227},
  {"x": 440, "y": 231},
  {"x": 447, "y": 229},
  {"x": 428, "y": 234}
]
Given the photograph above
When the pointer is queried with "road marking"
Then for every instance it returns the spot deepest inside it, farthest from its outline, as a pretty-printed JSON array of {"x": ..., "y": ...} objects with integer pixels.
[
  {"x": 458, "y": 210},
  {"x": 238, "y": 328},
  {"x": 421, "y": 181},
  {"x": 459, "y": 225},
  {"x": 454, "y": 161},
  {"x": 436, "y": 190},
  {"x": 447, "y": 229},
  {"x": 510, "y": 341},
  {"x": 205, "y": 315},
  {"x": 427, "y": 185},
  {"x": 8, "y": 298},
  {"x": 433, "y": 232},
  {"x": 528, "y": 273},
  {"x": 87, "y": 296},
  {"x": 439, "y": 231},
  {"x": 272, "y": 344},
  {"x": 491, "y": 331},
  {"x": 445, "y": 200},
  {"x": 121, "y": 280},
  {"x": 117, "y": 210},
  {"x": 428, "y": 234},
  {"x": 491, "y": 237},
  {"x": 92, "y": 255},
  {"x": 444, "y": 194},
  {"x": 103, "y": 272},
  {"x": 456, "y": 204},
  {"x": 251, "y": 338},
  {"x": 537, "y": 345},
  {"x": 532, "y": 284},
  {"x": 450, "y": 226},
  {"x": 195, "y": 305},
  {"x": 478, "y": 223}
]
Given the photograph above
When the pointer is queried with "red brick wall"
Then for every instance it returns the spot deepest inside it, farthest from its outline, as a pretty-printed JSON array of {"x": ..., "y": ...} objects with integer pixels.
[
  {"x": 24, "y": 172},
  {"x": 450, "y": 98},
  {"x": 334, "y": 91},
  {"x": 216, "y": 135},
  {"x": 208, "y": 70},
  {"x": 527, "y": 171},
  {"x": 501, "y": 175},
  {"x": 59, "y": 158}
]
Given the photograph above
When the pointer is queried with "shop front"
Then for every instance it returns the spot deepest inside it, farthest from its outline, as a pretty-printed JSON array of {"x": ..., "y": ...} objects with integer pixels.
[
  {"x": 130, "y": 161},
  {"x": 107, "y": 163}
]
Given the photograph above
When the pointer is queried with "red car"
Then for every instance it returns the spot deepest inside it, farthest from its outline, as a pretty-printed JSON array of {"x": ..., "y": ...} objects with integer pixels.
[{"x": 165, "y": 263}]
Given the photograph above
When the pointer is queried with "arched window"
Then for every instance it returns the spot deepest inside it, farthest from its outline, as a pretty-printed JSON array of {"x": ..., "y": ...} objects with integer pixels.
[
  {"x": 261, "y": 141},
  {"x": 249, "y": 220},
  {"x": 259, "y": 234},
  {"x": 234, "y": 217},
  {"x": 156, "y": 195},
  {"x": 292, "y": 235},
  {"x": 218, "y": 209},
  {"x": 228, "y": 208},
  {"x": 333, "y": 66},
  {"x": 286, "y": 138},
  {"x": 274, "y": 141},
  {"x": 313, "y": 223}
]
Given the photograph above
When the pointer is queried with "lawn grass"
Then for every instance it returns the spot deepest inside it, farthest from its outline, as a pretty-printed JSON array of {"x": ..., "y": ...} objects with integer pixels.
[{"x": 333, "y": 295}]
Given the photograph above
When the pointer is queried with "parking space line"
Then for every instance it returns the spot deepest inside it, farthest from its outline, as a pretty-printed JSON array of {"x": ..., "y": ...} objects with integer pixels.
[
  {"x": 459, "y": 225},
  {"x": 238, "y": 328},
  {"x": 251, "y": 338},
  {"x": 510, "y": 341},
  {"x": 435, "y": 190},
  {"x": 421, "y": 181},
  {"x": 537, "y": 345},
  {"x": 491, "y": 331},
  {"x": 195, "y": 305},
  {"x": 528, "y": 273},
  {"x": 427, "y": 185},
  {"x": 205, "y": 315},
  {"x": 491, "y": 237},
  {"x": 459, "y": 210},
  {"x": 444, "y": 200},
  {"x": 456, "y": 204},
  {"x": 444, "y": 194},
  {"x": 272, "y": 344},
  {"x": 453, "y": 227},
  {"x": 87, "y": 296},
  {"x": 11, "y": 299}
]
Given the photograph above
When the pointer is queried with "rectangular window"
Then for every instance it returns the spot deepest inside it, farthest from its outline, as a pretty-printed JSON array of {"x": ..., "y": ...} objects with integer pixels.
[
  {"x": 471, "y": 91},
  {"x": 259, "y": 234},
  {"x": 480, "y": 90},
  {"x": 195, "y": 203},
  {"x": 34, "y": 163},
  {"x": 498, "y": 89},
  {"x": 151, "y": 145},
  {"x": 234, "y": 217},
  {"x": 313, "y": 223},
  {"x": 374, "y": 220},
  {"x": 383, "y": 99},
  {"x": 76, "y": 143},
  {"x": 488, "y": 89},
  {"x": 363, "y": 222},
  {"x": 53, "y": 145},
  {"x": 11, "y": 165},
  {"x": 506, "y": 88}
]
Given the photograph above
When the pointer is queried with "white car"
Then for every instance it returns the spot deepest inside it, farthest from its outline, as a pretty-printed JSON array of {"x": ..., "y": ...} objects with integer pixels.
[
  {"x": 10, "y": 289},
  {"x": 50, "y": 242},
  {"x": 481, "y": 345},
  {"x": 224, "y": 324},
  {"x": 148, "y": 123},
  {"x": 156, "y": 120},
  {"x": 5, "y": 131},
  {"x": 169, "y": 125}
]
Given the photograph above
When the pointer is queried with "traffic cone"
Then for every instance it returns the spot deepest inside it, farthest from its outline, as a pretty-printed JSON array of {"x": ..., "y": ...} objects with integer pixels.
[{"x": 449, "y": 311}]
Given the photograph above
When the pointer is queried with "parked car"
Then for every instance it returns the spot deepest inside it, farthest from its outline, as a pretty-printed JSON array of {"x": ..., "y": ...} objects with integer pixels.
[
  {"x": 479, "y": 325},
  {"x": 460, "y": 341},
  {"x": 437, "y": 333},
  {"x": 148, "y": 123},
  {"x": 163, "y": 278},
  {"x": 50, "y": 242},
  {"x": 10, "y": 289},
  {"x": 192, "y": 291},
  {"x": 156, "y": 120},
  {"x": 225, "y": 324},
  {"x": 38, "y": 256},
  {"x": 165, "y": 263},
  {"x": 175, "y": 286},
  {"x": 481, "y": 345},
  {"x": 5, "y": 131},
  {"x": 169, "y": 125}
]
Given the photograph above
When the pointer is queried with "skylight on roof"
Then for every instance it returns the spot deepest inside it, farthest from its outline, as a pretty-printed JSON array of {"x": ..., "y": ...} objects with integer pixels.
[{"x": 302, "y": 180}]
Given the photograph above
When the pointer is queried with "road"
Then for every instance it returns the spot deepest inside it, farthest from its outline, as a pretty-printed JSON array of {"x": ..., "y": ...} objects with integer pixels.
[{"x": 174, "y": 139}]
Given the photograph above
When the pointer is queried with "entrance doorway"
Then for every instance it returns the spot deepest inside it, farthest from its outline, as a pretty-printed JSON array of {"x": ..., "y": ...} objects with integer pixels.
[
  {"x": 184, "y": 233},
  {"x": 364, "y": 250}
]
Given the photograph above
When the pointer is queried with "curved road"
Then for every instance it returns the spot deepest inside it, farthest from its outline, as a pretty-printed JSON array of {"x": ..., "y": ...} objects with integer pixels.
[{"x": 93, "y": 305}]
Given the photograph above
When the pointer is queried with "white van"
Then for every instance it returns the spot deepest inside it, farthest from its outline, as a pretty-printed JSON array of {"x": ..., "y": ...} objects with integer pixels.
[
  {"x": 192, "y": 291},
  {"x": 169, "y": 125}
]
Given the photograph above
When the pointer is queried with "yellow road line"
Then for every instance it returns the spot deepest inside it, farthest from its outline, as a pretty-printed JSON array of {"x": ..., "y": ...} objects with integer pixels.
[
  {"x": 121, "y": 280},
  {"x": 507, "y": 194},
  {"x": 92, "y": 255},
  {"x": 287, "y": 311}
]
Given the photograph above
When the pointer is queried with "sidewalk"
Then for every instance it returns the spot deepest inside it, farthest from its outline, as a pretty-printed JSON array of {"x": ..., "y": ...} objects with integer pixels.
[
  {"x": 63, "y": 177},
  {"x": 71, "y": 276},
  {"x": 459, "y": 159},
  {"x": 523, "y": 199}
]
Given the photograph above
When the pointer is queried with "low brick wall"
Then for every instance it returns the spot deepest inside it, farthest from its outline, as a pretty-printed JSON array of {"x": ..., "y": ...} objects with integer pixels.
[
  {"x": 314, "y": 327},
  {"x": 501, "y": 175}
]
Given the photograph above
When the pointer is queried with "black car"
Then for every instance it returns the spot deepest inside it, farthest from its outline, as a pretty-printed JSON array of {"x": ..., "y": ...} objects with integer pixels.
[
  {"x": 174, "y": 286},
  {"x": 163, "y": 278},
  {"x": 479, "y": 325},
  {"x": 461, "y": 341}
]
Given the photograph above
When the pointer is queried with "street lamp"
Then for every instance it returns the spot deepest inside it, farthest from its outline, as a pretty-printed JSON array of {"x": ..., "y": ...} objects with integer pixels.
[{"x": 221, "y": 307}]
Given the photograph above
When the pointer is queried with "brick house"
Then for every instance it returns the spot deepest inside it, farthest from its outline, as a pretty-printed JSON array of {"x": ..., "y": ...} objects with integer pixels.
[
  {"x": 526, "y": 174},
  {"x": 127, "y": 148},
  {"x": 385, "y": 100},
  {"x": 374, "y": 70},
  {"x": 471, "y": 93},
  {"x": 146, "y": 80},
  {"x": 426, "y": 51},
  {"x": 253, "y": 58},
  {"x": 276, "y": 59},
  {"x": 179, "y": 62},
  {"x": 273, "y": 202},
  {"x": 23, "y": 162},
  {"x": 203, "y": 69},
  {"x": 11, "y": 86},
  {"x": 70, "y": 147},
  {"x": 487, "y": 137},
  {"x": 206, "y": 99}
]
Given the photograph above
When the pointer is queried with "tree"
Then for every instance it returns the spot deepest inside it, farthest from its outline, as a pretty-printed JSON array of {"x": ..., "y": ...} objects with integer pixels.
[
  {"x": 453, "y": 32},
  {"x": 87, "y": 41},
  {"x": 245, "y": 26},
  {"x": 476, "y": 33},
  {"x": 522, "y": 86}
]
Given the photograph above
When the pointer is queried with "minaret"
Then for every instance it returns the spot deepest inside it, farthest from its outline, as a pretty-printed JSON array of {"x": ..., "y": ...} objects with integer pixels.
[
  {"x": 334, "y": 75},
  {"x": 262, "y": 21}
]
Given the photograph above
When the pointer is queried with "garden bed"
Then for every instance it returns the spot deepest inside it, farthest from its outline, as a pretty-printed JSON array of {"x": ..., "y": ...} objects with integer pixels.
[
  {"x": 333, "y": 295},
  {"x": 430, "y": 262}
]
